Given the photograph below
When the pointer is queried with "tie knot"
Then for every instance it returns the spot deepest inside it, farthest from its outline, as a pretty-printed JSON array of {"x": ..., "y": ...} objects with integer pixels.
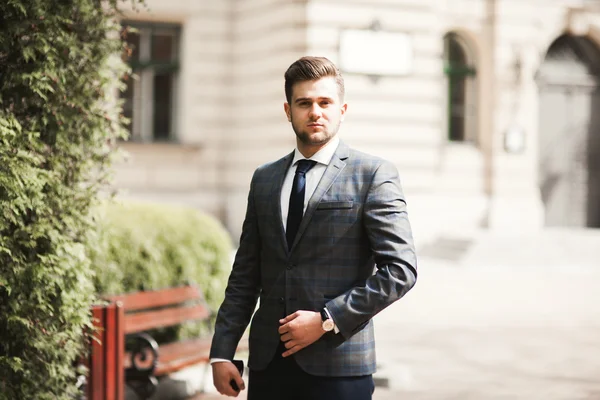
[{"x": 304, "y": 166}]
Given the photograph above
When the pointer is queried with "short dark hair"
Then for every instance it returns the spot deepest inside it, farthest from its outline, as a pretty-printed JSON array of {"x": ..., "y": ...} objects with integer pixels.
[{"x": 310, "y": 69}]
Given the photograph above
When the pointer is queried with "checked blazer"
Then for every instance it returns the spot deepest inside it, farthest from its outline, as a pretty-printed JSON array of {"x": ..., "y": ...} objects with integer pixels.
[{"x": 353, "y": 253}]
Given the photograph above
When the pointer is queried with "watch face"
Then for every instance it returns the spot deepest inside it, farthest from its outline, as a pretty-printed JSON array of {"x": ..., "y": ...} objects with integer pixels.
[{"x": 328, "y": 325}]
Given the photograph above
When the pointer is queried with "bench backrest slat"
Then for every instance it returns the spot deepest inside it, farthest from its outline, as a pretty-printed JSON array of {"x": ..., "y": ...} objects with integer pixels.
[
  {"x": 156, "y": 298},
  {"x": 138, "y": 322}
]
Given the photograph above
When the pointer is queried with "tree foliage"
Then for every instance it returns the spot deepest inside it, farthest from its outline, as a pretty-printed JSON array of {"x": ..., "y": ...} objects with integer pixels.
[{"x": 59, "y": 61}]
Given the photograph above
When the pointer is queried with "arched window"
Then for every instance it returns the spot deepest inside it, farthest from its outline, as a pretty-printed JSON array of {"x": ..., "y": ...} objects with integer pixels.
[
  {"x": 461, "y": 76},
  {"x": 569, "y": 136}
]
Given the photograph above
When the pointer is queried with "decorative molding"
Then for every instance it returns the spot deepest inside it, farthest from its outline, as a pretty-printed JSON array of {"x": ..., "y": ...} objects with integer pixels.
[{"x": 581, "y": 21}]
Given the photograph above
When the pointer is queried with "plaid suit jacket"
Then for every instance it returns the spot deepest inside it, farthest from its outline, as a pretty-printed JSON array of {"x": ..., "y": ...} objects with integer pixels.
[{"x": 353, "y": 253}]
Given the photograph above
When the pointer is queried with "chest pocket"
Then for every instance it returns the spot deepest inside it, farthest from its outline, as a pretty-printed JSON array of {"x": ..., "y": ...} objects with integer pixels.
[{"x": 335, "y": 205}]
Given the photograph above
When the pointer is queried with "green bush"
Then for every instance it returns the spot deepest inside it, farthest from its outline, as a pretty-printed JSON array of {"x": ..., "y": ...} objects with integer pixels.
[
  {"x": 58, "y": 119},
  {"x": 151, "y": 246}
]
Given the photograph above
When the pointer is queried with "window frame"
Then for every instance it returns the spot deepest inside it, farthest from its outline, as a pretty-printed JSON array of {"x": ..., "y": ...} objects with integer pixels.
[{"x": 143, "y": 71}]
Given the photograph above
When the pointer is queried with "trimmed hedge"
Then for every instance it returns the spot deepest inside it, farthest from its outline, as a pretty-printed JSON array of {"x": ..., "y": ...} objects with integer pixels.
[{"x": 154, "y": 246}]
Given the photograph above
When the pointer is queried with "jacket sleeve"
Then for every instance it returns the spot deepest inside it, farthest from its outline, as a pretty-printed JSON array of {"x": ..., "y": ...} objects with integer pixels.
[
  {"x": 390, "y": 237},
  {"x": 243, "y": 287}
]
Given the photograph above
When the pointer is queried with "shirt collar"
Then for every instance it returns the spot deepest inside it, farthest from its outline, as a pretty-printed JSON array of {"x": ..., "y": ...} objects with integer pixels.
[{"x": 322, "y": 156}]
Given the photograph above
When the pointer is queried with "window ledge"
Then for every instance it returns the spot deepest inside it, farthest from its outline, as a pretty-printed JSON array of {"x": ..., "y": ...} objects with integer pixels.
[
  {"x": 462, "y": 145},
  {"x": 163, "y": 147}
]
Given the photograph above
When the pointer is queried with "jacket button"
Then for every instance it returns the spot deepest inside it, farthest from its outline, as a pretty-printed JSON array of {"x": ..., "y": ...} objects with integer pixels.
[
  {"x": 290, "y": 266},
  {"x": 281, "y": 300}
]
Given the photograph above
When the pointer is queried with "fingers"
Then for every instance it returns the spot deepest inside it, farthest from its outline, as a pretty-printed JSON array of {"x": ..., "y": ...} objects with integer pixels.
[
  {"x": 228, "y": 391},
  {"x": 283, "y": 329},
  {"x": 291, "y": 351},
  {"x": 289, "y": 318},
  {"x": 224, "y": 387},
  {"x": 223, "y": 374},
  {"x": 286, "y": 328},
  {"x": 240, "y": 383}
]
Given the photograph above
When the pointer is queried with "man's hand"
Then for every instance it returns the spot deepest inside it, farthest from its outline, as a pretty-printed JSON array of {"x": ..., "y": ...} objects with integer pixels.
[
  {"x": 299, "y": 330},
  {"x": 223, "y": 373}
]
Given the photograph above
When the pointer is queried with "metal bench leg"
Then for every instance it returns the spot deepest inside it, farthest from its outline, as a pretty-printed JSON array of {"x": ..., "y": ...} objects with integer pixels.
[
  {"x": 144, "y": 389},
  {"x": 144, "y": 357}
]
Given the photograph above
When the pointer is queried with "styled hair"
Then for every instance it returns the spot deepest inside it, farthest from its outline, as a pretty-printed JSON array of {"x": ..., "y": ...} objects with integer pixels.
[{"x": 310, "y": 69}]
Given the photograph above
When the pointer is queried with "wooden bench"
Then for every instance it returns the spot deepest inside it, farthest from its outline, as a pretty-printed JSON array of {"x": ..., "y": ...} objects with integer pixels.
[{"x": 144, "y": 360}]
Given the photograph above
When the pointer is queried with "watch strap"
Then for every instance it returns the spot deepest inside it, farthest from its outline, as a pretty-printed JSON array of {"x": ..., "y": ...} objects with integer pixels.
[{"x": 324, "y": 315}]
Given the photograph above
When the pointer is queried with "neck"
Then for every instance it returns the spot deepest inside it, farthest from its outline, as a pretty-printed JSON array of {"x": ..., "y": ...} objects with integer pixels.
[{"x": 309, "y": 150}]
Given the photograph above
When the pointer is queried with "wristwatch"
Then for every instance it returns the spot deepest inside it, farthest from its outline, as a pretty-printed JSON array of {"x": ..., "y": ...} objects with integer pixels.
[{"x": 328, "y": 323}]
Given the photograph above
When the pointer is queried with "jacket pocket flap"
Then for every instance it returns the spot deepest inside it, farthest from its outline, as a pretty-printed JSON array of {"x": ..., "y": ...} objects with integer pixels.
[{"x": 335, "y": 205}]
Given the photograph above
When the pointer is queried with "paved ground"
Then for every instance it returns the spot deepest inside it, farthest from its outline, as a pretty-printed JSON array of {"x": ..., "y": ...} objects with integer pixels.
[
  {"x": 495, "y": 334},
  {"x": 496, "y": 327}
]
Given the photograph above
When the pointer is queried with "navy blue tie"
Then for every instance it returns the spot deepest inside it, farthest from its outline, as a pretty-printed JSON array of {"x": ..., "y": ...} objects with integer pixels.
[{"x": 297, "y": 200}]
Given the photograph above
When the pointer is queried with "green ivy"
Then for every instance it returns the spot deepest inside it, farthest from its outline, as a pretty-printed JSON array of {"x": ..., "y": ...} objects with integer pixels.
[{"x": 59, "y": 69}]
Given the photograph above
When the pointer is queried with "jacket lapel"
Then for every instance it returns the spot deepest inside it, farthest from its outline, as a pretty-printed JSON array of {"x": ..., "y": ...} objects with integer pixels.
[
  {"x": 334, "y": 168},
  {"x": 281, "y": 168}
]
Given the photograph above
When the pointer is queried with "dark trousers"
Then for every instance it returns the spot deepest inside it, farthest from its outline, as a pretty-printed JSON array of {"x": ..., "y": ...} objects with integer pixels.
[{"x": 283, "y": 379}]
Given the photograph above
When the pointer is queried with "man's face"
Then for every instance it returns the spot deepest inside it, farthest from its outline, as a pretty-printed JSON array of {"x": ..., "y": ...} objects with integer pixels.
[{"x": 315, "y": 112}]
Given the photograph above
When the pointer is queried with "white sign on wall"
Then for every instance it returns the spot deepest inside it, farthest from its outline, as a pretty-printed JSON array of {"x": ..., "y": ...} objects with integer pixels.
[{"x": 373, "y": 52}]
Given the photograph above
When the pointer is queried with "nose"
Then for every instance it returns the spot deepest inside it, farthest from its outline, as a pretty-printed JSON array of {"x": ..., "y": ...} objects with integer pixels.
[{"x": 315, "y": 111}]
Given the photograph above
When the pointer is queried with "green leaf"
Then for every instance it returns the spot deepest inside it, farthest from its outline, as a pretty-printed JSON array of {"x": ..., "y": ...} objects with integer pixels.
[{"x": 53, "y": 137}]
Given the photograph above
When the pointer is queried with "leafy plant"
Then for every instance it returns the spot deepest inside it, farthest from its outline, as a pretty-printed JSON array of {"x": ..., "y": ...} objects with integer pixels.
[
  {"x": 154, "y": 246},
  {"x": 59, "y": 68}
]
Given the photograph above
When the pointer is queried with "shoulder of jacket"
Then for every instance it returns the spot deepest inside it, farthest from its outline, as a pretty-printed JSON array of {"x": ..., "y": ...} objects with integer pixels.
[
  {"x": 272, "y": 167},
  {"x": 367, "y": 160}
]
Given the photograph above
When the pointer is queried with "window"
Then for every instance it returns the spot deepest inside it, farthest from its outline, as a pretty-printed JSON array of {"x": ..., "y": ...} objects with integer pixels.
[
  {"x": 461, "y": 77},
  {"x": 151, "y": 94}
]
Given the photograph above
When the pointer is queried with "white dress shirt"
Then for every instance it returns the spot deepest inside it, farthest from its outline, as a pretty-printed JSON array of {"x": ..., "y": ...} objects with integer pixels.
[{"x": 313, "y": 177}]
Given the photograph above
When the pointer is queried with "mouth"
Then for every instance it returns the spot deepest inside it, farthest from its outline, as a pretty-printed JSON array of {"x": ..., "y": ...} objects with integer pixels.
[{"x": 315, "y": 125}]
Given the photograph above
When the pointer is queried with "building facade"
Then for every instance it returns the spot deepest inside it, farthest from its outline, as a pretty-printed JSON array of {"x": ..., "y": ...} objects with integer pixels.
[{"x": 492, "y": 124}]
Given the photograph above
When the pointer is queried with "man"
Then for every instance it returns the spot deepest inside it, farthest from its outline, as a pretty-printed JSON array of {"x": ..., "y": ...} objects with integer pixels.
[{"x": 326, "y": 244}]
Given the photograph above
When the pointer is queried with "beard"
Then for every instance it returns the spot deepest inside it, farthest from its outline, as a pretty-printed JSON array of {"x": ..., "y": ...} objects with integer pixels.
[{"x": 315, "y": 138}]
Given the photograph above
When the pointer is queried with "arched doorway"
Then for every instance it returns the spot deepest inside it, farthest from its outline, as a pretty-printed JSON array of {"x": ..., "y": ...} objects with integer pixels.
[
  {"x": 461, "y": 74},
  {"x": 569, "y": 167}
]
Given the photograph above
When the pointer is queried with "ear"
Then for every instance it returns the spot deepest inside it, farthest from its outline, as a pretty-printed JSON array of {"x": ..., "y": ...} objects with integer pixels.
[
  {"x": 343, "y": 110},
  {"x": 288, "y": 111}
]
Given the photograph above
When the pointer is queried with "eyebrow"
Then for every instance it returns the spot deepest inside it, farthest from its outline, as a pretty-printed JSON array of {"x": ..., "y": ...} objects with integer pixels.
[{"x": 298, "y": 100}]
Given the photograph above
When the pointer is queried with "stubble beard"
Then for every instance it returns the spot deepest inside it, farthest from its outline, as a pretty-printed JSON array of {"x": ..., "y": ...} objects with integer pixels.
[{"x": 321, "y": 138}]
